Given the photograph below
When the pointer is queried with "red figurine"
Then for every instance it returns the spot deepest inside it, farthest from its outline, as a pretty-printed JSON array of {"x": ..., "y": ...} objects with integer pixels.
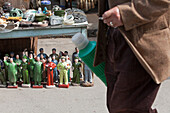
[{"x": 50, "y": 66}]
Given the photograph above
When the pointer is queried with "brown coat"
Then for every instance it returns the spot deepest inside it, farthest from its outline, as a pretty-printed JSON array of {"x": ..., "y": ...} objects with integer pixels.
[{"x": 147, "y": 31}]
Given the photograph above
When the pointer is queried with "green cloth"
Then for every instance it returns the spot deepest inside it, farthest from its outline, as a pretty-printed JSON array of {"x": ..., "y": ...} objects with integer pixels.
[
  {"x": 63, "y": 72},
  {"x": 31, "y": 67},
  {"x": 12, "y": 71},
  {"x": 76, "y": 72},
  {"x": 26, "y": 79},
  {"x": 19, "y": 73},
  {"x": 38, "y": 68}
]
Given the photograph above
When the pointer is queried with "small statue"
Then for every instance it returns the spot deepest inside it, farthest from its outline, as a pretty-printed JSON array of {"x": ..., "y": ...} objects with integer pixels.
[
  {"x": 88, "y": 79},
  {"x": 46, "y": 12},
  {"x": 18, "y": 62},
  {"x": 70, "y": 64},
  {"x": 31, "y": 66},
  {"x": 50, "y": 66},
  {"x": 55, "y": 71},
  {"x": 38, "y": 68},
  {"x": 63, "y": 67},
  {"x": 54, "y": 54},
  {"x": 7, "y": 7},
  {"x": 76, "y": 71},
  {"x": 6, "y": 67},
  {"x": 12, "y": 71},
  {"x": 24, "y": 67},
  {"x": 2, "y": 78},
  {"x": 12, "y": 55},
  {"x": 42, "y": 53},
  {"x": 44, "y": 73}
]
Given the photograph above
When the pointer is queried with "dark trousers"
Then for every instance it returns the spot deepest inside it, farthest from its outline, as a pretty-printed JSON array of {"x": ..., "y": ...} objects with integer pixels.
[{"x": 130, "y": 89}]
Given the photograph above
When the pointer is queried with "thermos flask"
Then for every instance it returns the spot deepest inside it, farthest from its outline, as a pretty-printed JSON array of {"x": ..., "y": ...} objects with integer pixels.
[{"x": 87, "y": 52}]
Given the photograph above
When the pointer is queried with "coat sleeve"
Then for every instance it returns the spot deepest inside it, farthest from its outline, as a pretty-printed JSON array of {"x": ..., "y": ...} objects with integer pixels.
[{"x": 139, "y": 12}]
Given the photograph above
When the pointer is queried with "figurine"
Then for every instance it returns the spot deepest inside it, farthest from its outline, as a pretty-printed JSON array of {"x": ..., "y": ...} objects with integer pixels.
[
  {"x": 87, "y": 77},
  {"x": 44, "y": 73},
  {"x": 66, "y": 53},
  {"x": 6, "y": 67},
  {"x": 55, "y": 71},
  {"x": 24, "y": 67},
  {"x": 38, "y": 68},
  {"x": 54, "y": 54},
  {"x": 2, "y": 78},
  {"x": 31, "y": 66},
  {"x": 50, "y": 66},
  {"x": 12, "y": 71},
  {"x": 18, "y": 63},
  {"x": 63, "y": 67},
  {"x": 12, "y": 55},
  {"x": 47, "y": 12},
  {"x": 75, "y": 54},
  {"x": 42, "y": 52},
  {"x": 7, "y": 7},
  {"x": 70, "y": 64},
  {"x": 76, "y": 71}
]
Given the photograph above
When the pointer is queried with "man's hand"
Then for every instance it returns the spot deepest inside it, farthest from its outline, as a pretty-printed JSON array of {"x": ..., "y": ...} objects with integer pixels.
[{"x": 112, "y": 17}]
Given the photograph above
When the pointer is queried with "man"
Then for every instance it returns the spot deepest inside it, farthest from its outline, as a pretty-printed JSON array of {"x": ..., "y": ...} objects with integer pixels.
[
  {"x": 55, "y": 71},
  {"x": 12, "y": 55},
  {"x": 38, "y": 68},
  {"x": 18, "y": 63},
  {"x": 42, "y": 52},
  {"x": 12, "y": 71},
  {"x": 75, "y": 54},
  {"x": 50, "y": 67},
  {"x": 138, "y": 32},
  {"x": 63, "y": 67},
  {"x": 25, "y": 74},
  {"x": 31, "y": 62},
  {"x": 54, "y": 54}
]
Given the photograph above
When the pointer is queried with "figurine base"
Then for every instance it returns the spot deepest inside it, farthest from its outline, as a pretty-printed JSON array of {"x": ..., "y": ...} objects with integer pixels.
[
  {"x": 11, "y": 86},
  {"x": 36, "y": 86},
  {"x": 43, "y": 83},
  {"x": 26, "y": 85},
  {"x": 64, "y": 86},
  {"x": 20, "y": 83},
  {"x": 75, "y": 84},
  {"x": 50, "y": 87},
  {"x": 2, "y": 86},
  {"x": 87, "y": 84}
]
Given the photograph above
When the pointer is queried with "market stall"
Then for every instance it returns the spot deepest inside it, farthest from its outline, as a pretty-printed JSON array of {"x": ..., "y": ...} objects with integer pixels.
[{"x": 21, "y": 28}]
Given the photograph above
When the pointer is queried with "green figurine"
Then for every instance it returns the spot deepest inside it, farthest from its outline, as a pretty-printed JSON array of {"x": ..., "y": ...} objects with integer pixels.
[
  {"x": 38, "y": 69},
  {"x": 12, "y": 71},
  {"x": 63, "y": 67},
  {"x": 76, "y": 71},
  {"x": 24, "y": 67},
  {"x": 2, "y": 78},
  {"x": 31, "y": 66},
  {"x": 6, "y": 67},
  {"x": 19, "y": 73}
]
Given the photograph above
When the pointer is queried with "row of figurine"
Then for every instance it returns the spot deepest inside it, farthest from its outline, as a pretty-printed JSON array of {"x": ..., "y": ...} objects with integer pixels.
[{"x": 40, "y": 70}]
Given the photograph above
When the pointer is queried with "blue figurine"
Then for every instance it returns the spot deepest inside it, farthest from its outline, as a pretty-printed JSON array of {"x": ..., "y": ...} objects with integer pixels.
[{"x": 55, "y": 72}]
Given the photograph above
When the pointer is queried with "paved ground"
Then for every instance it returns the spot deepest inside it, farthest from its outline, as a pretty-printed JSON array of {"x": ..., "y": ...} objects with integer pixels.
[{"x": 72, "y": 100}]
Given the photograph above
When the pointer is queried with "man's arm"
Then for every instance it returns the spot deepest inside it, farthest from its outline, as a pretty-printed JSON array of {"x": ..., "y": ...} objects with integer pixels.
[{"x": 139, "y": 12}]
